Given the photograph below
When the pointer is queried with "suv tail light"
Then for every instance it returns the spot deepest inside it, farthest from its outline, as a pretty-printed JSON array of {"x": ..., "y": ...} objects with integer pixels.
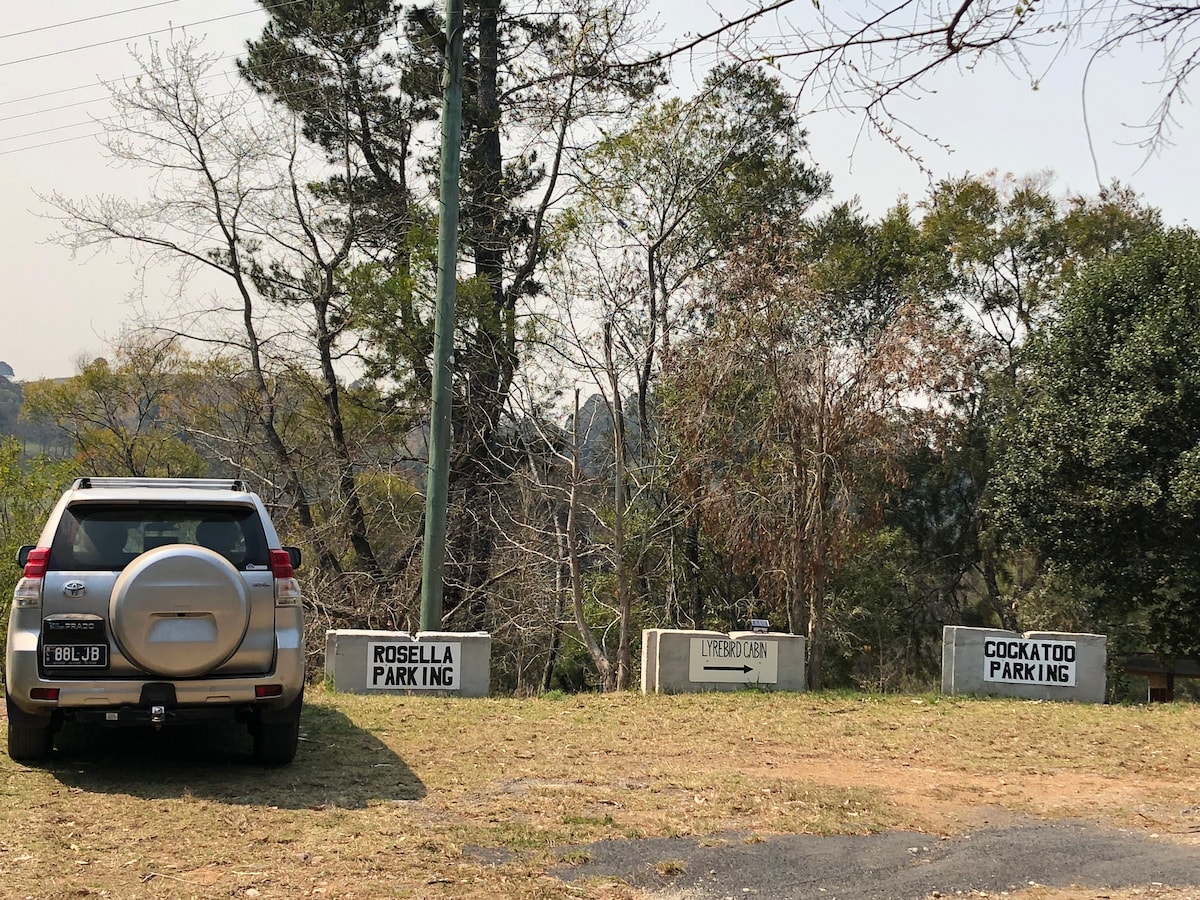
[
  {"x": 37, "y": 562},
  {"x": 29, "y": 588},
  {"x": 287, "y": 589},
  {"x": 281, "y": 564}
]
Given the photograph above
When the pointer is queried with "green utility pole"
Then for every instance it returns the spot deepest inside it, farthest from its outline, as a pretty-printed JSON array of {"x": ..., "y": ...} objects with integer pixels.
[{"x": 437, "y": 488}]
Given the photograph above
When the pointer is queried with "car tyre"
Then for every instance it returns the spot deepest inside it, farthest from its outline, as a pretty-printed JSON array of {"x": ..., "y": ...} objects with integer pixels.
[
  {"x": 30, "y": 737},
  {"x": 277, "y": 734}
]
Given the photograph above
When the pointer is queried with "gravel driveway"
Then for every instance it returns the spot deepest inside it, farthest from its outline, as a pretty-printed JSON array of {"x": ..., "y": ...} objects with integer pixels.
[{"x": 893, "y": 865}]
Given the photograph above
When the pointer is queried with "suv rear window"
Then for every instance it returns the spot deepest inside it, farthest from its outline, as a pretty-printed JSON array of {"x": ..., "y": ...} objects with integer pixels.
[{"x": 106, "y": 537}]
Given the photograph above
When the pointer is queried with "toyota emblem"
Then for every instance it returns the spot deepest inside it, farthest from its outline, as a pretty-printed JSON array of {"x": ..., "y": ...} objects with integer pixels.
[{"x": 74, "y": 589}]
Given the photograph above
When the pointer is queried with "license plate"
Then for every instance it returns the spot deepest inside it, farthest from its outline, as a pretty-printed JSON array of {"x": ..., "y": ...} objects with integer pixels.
[{"x": 76, "y": 656}]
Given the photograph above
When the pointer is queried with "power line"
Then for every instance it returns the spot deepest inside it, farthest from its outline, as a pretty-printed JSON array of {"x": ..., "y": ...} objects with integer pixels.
[
  {"x": 50, "y": 143},
  {"x": 50, "y": 109},
  {"x": 45, "y": 94},
  {"x": 134, "y": 37},
  {"x": 119, "y": 12},
  {"x": 83, "y": 87},
  {"x": 106, "y": 121},
  {"x": 111, "y": 82},
  {"x": 26, "y": 134}
]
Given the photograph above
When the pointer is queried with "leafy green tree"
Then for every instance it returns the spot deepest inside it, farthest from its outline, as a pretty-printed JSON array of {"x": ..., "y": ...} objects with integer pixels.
[
  {"x": 120, "y": 417},
  {"x": 1005, "y": 249},
  {"x": 1011, "y": 247},
  {"x": 671, "y": 194},
  {"x": 1100, "y": 469},
  {"x": 29, "y": 487},
  {"x": 10, "y": 405},
  {"x": 663, "y": 200}
]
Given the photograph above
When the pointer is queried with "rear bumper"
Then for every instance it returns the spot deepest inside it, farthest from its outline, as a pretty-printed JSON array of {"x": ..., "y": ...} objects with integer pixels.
[{"x": 94, "y": 698}]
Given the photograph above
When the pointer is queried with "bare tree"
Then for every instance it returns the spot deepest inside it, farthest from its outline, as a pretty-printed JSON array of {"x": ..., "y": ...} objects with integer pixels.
[
  {"x": 231, "y": 199},
  {"x": 868, "y": 57}
]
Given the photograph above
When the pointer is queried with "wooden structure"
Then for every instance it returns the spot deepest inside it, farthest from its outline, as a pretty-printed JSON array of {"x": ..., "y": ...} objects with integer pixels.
[{"x": 1160, "y": 677}]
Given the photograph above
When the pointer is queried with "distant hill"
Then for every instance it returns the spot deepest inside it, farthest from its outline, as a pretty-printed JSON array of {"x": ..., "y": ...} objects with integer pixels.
[
  {"x": 10, "y": 401},
  {"x": 596, "y": 433}
]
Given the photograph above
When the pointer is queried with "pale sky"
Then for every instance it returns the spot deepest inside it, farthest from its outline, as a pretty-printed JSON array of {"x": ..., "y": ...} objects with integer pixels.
[{"x": 57, "y": 310}]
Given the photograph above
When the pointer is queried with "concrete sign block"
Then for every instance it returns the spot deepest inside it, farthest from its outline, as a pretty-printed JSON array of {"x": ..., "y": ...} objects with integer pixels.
[
  {"x": 396, "y": 662},
  {"x": 1039, "y": 665},
  {"x": 677, "y": 661}
]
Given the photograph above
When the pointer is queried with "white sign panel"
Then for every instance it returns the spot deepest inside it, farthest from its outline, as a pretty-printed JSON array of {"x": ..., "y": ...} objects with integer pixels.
[
  {"x": 426, "y": 666},
  {"x": 1022, "y": 661},
  {"x": 744, "y": 661}
]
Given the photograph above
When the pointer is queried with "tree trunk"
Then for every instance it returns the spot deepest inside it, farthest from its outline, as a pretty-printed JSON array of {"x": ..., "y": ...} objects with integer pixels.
[
  {"x": 487, "y": 364},
  {"x": 347, "y": 483},
  {"x": 624, "y": 602},
  {"x": 562, "y": 581},
  {"x": 691, "y": 555},
  {"x": 608, "y": 674}
]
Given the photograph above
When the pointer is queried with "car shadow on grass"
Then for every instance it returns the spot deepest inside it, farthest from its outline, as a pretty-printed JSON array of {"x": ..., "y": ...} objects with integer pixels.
[{"x": 338, "y": 764}]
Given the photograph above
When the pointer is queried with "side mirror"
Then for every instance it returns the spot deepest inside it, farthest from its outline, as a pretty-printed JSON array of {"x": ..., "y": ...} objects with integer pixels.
[
  {"x": 294, "y": 554},
  {"x": 23, "y": 555}
]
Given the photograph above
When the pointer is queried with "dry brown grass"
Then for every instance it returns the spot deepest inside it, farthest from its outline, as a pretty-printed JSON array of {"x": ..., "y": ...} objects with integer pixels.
[{"x": 425, "y": 797}]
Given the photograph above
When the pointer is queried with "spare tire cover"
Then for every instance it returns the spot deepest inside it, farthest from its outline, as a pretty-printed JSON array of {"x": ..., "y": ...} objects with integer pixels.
[{"x": 179, "y": 610}]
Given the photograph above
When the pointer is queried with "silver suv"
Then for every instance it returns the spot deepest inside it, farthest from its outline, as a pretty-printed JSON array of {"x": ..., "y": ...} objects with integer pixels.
[{"x": 153, "y": 601}]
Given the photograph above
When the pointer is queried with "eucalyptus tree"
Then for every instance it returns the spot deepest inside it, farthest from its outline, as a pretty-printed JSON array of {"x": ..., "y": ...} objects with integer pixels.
[
  {"x": 822, "y": 362},
  {"x": 662, "y": 201},
  {"x": 121, "y": 417},
  {"x": 29, "y": 488},
  {"x": 1012, "y": 245},
  {"x": 665, "y": 198}
]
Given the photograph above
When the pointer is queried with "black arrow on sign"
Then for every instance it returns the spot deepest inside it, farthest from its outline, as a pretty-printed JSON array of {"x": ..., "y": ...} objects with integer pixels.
[{"x": 742, "y": 669}]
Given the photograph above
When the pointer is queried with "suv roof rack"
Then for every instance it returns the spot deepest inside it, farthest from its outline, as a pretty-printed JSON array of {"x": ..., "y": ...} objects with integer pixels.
[{"x": 219, "y": 484}]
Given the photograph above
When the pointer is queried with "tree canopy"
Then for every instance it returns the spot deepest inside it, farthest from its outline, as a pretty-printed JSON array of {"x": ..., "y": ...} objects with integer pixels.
[
  {"x": 1100, "y": 469},
  {"x": 974, "y": 409}
]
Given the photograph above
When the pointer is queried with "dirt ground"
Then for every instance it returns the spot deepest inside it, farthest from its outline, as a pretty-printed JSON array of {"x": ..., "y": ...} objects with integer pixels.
[
  {"x": 623, "y": 797},
  {"x": 970, "y": 802},
  {"x": 1032, "y": 835}
]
